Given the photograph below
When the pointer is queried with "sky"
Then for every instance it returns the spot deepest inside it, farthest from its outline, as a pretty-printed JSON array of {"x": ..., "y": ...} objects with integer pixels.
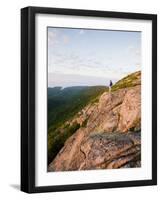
[{"x": 91, "y": 57}]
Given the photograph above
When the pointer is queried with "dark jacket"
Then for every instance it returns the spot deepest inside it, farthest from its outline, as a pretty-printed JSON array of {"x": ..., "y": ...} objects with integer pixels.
[{"x": 111, "y": 83}]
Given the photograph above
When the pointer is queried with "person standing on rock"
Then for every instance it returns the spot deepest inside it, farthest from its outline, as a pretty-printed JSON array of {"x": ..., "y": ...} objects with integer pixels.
[{"x": 110, "y": 86}]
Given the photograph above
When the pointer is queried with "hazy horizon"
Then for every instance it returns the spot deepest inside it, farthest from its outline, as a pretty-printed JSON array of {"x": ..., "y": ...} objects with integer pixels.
[
  {"x": 85, "y": 57},
  {"x": 68, "y": 80}
]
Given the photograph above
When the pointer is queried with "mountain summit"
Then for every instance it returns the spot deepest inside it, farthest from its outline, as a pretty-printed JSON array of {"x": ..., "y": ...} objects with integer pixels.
[{"x": 106, "y": 133}]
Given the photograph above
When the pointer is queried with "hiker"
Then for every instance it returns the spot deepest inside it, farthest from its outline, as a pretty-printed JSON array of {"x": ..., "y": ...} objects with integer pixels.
[{"x": 110, "y": 85}]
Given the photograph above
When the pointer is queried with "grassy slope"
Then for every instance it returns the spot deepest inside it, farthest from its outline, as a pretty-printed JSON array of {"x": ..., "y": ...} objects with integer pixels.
[{"x": 129, "y": 81}]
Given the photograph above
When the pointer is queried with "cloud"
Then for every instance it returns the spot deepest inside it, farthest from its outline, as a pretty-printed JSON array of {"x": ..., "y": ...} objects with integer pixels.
[
  {"x": 66, "y": 64},
  {"x": 137, "y": 52},
  {"x": 67, "y": 80},
  {"x": 81, "y": 32},
  {"x": 53, "y": 37},
  {"x": 138, "y": 65},
  {"x": 134, "y": 50},
  {"x": 56, "y": 37},
  {"x": 80, "y": 64},
  {"x": 65, "y": 39}
]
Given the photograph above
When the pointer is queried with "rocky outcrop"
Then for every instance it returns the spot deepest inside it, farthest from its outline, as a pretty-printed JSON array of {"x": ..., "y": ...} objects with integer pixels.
[
  {"x": 99, "y": 151},
  {"x": 109, "y": 133}
]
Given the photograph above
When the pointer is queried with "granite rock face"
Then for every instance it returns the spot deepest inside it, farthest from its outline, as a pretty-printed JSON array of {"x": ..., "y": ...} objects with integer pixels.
[{"x": 109, "y": 133}]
